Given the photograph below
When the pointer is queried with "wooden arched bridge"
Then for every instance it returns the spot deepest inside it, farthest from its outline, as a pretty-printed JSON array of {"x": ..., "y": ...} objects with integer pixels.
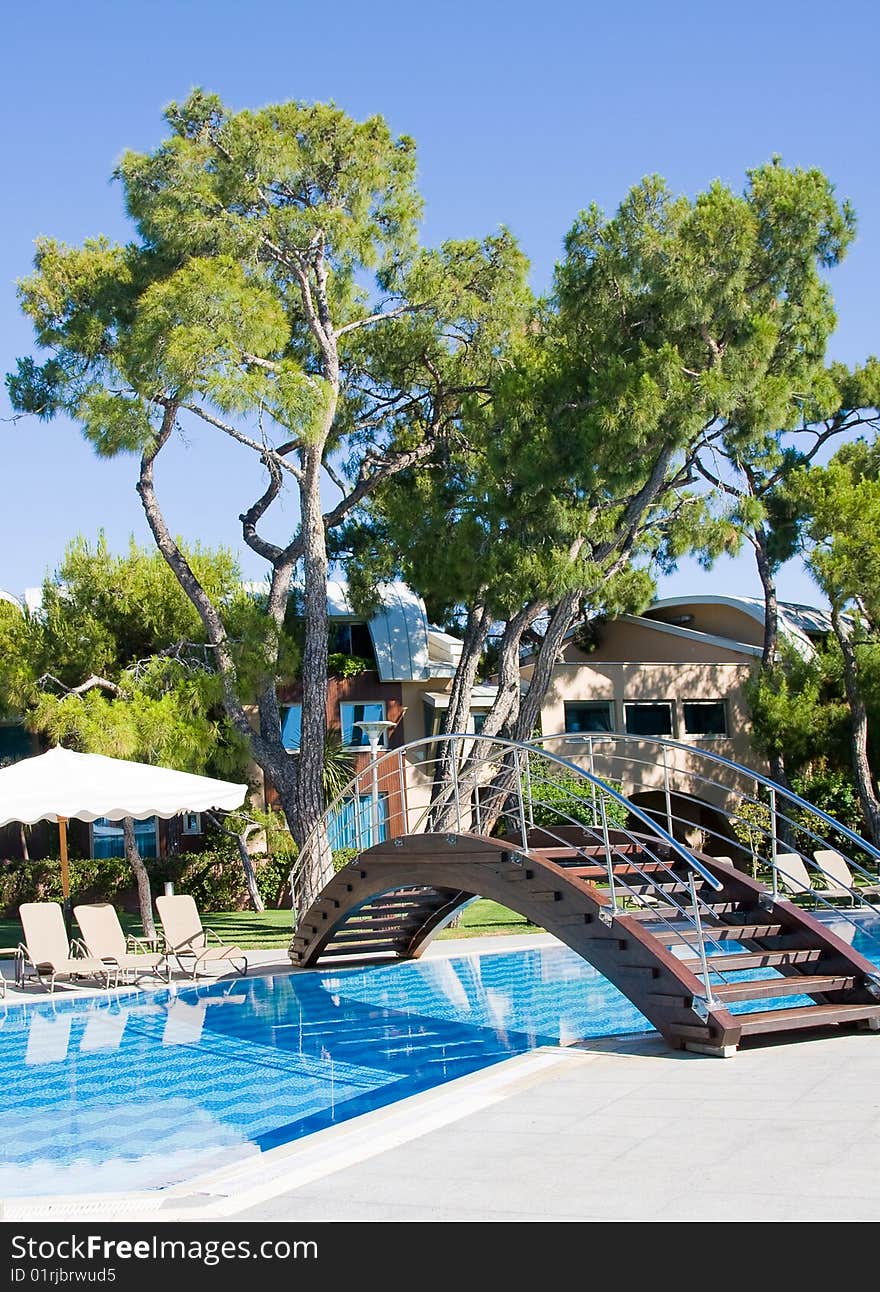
[{"x": 710, "y": 955}]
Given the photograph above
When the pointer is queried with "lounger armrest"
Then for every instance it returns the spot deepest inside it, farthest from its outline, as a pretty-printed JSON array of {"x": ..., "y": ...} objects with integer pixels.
[
  {"x": 210, "y": 933},
  {"x": 134, "y": 943},
  {"x": 79, "y": 950}
]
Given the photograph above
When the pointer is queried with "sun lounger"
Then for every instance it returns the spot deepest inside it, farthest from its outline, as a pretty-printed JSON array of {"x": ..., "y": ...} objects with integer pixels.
[
  {"x": 105, "y": 940},
  {"x": 840, "y": 880},
  {"x": 186, "y": 939},
  {"x": 49, "y": 952},
  {"x": 793, "y": 874},
  {"x": 796, "y": 879}
]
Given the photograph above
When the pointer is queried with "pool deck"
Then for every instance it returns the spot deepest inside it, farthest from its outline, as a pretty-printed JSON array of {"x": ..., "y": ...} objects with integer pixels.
[{"x": 614, "y": 1130}]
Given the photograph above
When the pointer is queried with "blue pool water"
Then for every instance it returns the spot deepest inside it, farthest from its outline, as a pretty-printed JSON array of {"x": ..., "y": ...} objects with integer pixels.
[{"x": 142, "y": 1091}]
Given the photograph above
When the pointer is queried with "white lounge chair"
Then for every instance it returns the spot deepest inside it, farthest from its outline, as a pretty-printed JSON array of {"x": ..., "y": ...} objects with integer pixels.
[
  {"x": 840, "y": 880},
  {"x": 186, "y": 939},
  {"x": 50, "y": 953},
  {"x": 794, "y": 876},
  {"x": 105, "y": 940}
]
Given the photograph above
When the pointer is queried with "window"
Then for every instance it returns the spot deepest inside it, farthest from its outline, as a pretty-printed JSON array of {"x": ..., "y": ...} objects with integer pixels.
[
  {"x": 353, "y": 737},
  {"x": 351, "y": 824},
  {"x": 191, "y": 823},
  {"x": 588, "y": 715},
  {"x": 352, "y": 639},
  {"x": 433, "y": 716},
  {"x": 107, "y": 838},
  {"x": 705, "y": 717},
  {"x": 291, "y": 727},
  {"x": 15, "y": 743},
  {"x": 648, "y": 718},
  {"x": 479, "y": 716}
]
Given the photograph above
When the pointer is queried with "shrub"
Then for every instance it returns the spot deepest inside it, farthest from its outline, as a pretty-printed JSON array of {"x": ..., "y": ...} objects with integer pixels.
[
  {"x": 343, "y": 856},
  {"x": 100, "y": 880},
  {"x": 561, "y": 795}
]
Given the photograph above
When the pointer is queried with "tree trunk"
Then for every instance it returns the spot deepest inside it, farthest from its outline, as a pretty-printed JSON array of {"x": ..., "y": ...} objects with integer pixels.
[
  {"x": 250, "y": 875},
  {"x": 504, "y": 711},
  {"x": 145, "y": 898},
  {"x": 769, "y": 662},
  {"x": 309, "y": 787},
  {"x": 859, "y": 720},
  {"x": 458, "y": 713},
  {"x": 269, "y": 753},
  {"x": 530, "y": 704}
]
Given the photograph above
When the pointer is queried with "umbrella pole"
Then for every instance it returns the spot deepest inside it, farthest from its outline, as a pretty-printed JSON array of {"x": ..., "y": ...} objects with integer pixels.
[{"x": 65, "y": 874}]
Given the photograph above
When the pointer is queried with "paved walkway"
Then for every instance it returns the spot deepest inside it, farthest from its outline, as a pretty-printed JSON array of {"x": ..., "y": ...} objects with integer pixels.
[{"x": 618, "y": 1130}]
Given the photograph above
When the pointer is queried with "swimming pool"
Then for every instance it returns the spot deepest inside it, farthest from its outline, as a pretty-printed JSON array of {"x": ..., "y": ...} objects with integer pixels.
[{"x": 144, "y": 1091}]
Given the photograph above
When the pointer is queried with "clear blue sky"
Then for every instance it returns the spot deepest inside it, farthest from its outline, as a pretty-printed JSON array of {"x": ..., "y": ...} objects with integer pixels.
[{"x": 522, "y": 115}]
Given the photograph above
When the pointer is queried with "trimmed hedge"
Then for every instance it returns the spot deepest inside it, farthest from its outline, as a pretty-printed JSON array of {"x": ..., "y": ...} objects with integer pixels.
[{"x": 214, "y": 878}]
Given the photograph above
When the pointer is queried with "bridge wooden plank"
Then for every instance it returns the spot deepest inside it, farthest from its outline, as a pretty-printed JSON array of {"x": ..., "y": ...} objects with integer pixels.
[
  {"x": 785, "y": 1020},
  {"x": 793, "y": 985}
]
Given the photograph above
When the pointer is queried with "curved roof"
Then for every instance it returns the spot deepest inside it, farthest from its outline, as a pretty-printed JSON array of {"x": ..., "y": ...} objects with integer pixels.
[
  {"x": 7, "y": 596},
  {"x": 399, "y": 629},
  {"x": 799, "y": 622}
]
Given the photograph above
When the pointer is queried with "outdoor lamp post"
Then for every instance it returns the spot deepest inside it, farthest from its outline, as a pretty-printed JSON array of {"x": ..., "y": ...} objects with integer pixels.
[{"x": 373, "y": 729}]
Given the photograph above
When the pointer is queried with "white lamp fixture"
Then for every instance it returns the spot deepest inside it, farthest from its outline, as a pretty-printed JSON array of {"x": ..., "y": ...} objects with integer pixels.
[{"x": 374, "y": 729}]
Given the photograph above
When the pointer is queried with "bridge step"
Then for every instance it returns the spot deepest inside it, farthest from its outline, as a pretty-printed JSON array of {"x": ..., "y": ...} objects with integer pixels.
[
  {"x": 594, "y": 872},
  {"x": 360, "y": 948},
  {"x": 347, "y": 934},
  {"x": 720, "y": 933},
  {"x": 795, "y": 985},
  {"x": 755, "y": 960},
  {"x": 787, "y": 1020},
  {"x": 706, "y": 907}
]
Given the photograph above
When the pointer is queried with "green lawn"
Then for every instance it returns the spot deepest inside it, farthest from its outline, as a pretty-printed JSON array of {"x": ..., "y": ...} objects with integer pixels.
[
  {"x": 484, "y": 919},
  {"x": 271, "y": 929}
]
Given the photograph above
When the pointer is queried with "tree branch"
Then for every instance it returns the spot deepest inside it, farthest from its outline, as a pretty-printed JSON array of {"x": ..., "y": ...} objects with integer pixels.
[
  {"x": 88, "y": 685},
  {"x": 378, "y": 318},
  {"x": 264, "y": 450}
]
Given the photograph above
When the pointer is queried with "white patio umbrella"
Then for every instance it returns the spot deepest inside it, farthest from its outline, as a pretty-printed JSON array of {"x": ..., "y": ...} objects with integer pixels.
[{"x": 62, "y": 785}]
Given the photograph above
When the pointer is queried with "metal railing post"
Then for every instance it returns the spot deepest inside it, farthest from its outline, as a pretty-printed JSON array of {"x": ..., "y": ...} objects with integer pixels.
[
  {"x": 710, "y": 1001},
  {"x": 666, "y": 793},
  {"x": 606, "y": 839},
  {"x": 523, "y": 828},
  {"x": 529, "y": 790},
  {"x": 404, "y": 800},
  {"x": 455, "y": 794},
  {"x": 774, "y": 843},
  {"x": 592, "y": 783}
]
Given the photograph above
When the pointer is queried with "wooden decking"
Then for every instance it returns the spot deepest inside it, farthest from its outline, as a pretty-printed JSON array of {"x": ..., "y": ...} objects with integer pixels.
[{"x": 391, "y": 900}]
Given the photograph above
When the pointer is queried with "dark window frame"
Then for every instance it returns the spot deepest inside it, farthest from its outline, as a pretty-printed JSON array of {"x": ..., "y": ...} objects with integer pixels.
[
  {"x": 596, "y": 705},
  {"x": 631, "y": 705},
  {"x": 705, "y": 704}
]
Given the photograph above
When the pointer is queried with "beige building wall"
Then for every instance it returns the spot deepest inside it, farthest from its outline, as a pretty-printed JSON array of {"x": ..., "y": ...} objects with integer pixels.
[{"x": 636, "y": 662}]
